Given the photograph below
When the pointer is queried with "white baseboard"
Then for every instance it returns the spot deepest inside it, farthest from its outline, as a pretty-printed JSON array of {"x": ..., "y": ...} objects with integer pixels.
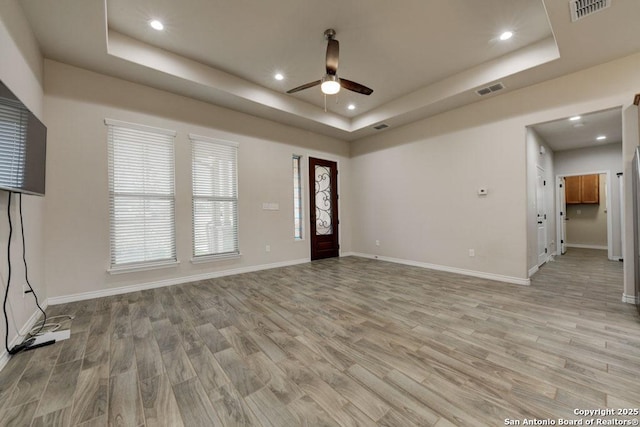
[
  {"x": 629, "y": 299},
  {"x": 169, "y": 282},
  {"x": 473, "y": 273},
  {"x": 4, "y": 356},
  {"x": 533, "y": 270},
  {"x": 578, "y": 245}
]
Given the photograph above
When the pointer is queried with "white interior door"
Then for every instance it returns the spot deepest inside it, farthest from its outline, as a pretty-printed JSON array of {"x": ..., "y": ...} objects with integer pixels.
[{"x": 541, "y": 218}]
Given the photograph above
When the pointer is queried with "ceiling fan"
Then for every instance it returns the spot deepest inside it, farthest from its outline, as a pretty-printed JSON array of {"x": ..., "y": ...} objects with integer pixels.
[{"x": 330, "y": 84}]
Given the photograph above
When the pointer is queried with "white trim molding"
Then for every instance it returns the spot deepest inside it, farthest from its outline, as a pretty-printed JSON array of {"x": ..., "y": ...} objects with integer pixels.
[
  {"x": 533, "y": 270},
  {"x": 464, "y": 272},
  {"x": 581, "y": 246},
  {"x": 629, "y": 299},
  {"x": 4, "y": 356},
  {"x": 169, "y": 282}
]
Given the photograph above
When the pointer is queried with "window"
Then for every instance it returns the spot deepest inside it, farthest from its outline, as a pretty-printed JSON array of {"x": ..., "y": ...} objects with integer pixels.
[
  {"x": 215, "y": 197},
  {"x": 297, "y": 198},
  {"x": 13, "y": 136},
  {"x": 141, "y": 195}
]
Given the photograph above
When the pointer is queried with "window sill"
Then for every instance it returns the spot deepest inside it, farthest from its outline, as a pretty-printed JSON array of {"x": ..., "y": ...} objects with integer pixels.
[
  {"x": 213, "y": 258},
  {"x": 142, "y": 267}
]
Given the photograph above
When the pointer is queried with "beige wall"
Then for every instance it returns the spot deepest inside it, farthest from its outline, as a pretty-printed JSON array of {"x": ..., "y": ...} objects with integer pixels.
[
  {"x": 587, "y": 224},
  {"x": 417, "y": 183},
  {"x": 77, "y": 224},
  {"x": 21, "y": 71},
  {"x": 418, "y": 193}
]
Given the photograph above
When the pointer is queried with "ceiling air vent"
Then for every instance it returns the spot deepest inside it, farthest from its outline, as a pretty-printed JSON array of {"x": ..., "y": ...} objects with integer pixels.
[
  {"x": 582, "y": 8},
  {"x": 381, "y": 126},
  {"x": 490, "y": 89}
]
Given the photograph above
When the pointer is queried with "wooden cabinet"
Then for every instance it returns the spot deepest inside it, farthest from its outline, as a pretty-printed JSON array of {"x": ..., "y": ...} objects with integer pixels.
[
  {"x": 572, "y": 190},
  {"x": 584, "y": 189}
]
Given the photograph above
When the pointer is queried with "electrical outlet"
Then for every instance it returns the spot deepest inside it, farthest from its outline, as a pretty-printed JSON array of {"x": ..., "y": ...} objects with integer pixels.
[
  {"x": 472, "y": 252},
  {"x": 377, "y": 242},
  {"x": 268, "y": 248}
]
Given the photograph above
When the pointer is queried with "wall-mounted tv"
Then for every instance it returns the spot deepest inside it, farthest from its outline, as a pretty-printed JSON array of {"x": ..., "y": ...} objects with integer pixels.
[{"x": 23, "y": 146}]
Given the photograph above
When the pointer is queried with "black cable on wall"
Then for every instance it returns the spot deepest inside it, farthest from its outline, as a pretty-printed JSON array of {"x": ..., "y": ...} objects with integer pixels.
[
  {"x": 6, "y": 293},
  {"x": 24, "y": 260}
]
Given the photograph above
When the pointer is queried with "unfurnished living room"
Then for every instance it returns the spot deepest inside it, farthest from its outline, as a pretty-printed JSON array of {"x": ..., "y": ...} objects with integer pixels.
[{"x": 301, "y": 213}]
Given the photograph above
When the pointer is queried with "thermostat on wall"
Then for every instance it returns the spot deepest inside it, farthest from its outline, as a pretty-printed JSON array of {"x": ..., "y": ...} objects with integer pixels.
[{"x": 482, "y": 191}]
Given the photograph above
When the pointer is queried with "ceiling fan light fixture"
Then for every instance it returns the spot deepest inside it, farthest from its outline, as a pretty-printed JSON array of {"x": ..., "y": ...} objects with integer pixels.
[{"x": 330, "y": 84}]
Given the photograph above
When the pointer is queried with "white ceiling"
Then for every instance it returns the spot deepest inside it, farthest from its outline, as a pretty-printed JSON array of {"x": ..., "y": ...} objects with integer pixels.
[{"x": 421, "y": 57}]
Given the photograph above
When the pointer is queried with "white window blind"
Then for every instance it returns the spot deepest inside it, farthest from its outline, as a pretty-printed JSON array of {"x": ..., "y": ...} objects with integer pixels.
[
  {"x": 215, "y": 197},
  {"x": 13, "y": 136},
  {"x": 297, "y": 198},
  {"x": 141, "y": 193}
]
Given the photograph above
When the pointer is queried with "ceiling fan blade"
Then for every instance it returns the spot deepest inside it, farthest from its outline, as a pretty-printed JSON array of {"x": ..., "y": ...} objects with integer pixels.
[
  {"x": 333, "y": 51},
  {"x": 304, "y": 86},
  {"x": 355, "y": 87}
]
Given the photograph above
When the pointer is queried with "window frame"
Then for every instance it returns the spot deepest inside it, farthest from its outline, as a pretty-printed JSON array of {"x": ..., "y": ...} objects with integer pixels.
[
  {"x": 155, "y": 133},
  {"x": 235, "y": 252}
]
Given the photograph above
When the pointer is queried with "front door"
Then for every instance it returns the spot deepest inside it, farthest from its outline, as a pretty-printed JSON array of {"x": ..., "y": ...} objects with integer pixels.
[{"x": 323, "y": 178}]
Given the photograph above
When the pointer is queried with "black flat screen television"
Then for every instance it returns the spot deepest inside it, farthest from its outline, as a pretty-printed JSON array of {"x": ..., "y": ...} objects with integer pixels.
[{"x": 23, "y": 146}]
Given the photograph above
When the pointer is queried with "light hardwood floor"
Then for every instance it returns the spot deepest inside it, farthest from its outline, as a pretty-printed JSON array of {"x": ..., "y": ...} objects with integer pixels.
[{"x": 339, "y": 342}]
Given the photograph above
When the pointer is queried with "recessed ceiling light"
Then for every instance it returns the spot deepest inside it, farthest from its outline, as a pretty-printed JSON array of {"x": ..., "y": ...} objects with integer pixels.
[
  {"x": 156, "y": 25},
  {"x": 601, "y": 138},
  {"x": 574, "y": 118},
  {"x": 351, "y": 107},
  {"x": 506, "y": 35},
  {"x": 278, "y": 76}
]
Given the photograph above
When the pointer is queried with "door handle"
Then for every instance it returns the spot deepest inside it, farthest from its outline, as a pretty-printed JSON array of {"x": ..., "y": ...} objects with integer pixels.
[{"x": 539, "y": 222}]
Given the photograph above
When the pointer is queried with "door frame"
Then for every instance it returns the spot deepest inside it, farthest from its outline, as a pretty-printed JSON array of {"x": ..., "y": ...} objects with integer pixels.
[
  {"x": 312, "y": 212},
  {"x": 541, "y": 172},
  {"x": 562, "y": 213},
  {"x": 607, "y": 207}
]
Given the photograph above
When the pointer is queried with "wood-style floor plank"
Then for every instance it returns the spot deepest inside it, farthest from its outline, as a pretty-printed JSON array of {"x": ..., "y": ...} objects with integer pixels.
[
  {"x": 91, "y": 398},
  {"x": 159, "y": 402},
  {"x": 125, "y": 406},
  {"x": 195, "y": 407},
  {"x": 338, "y": 342}
]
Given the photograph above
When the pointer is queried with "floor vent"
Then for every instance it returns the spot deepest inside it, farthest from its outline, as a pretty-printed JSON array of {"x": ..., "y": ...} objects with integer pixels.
[
  {"x": 381, "y": 126},
  {"x": 490, "y": 89},
  {"x": 582, "y": 8}
]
